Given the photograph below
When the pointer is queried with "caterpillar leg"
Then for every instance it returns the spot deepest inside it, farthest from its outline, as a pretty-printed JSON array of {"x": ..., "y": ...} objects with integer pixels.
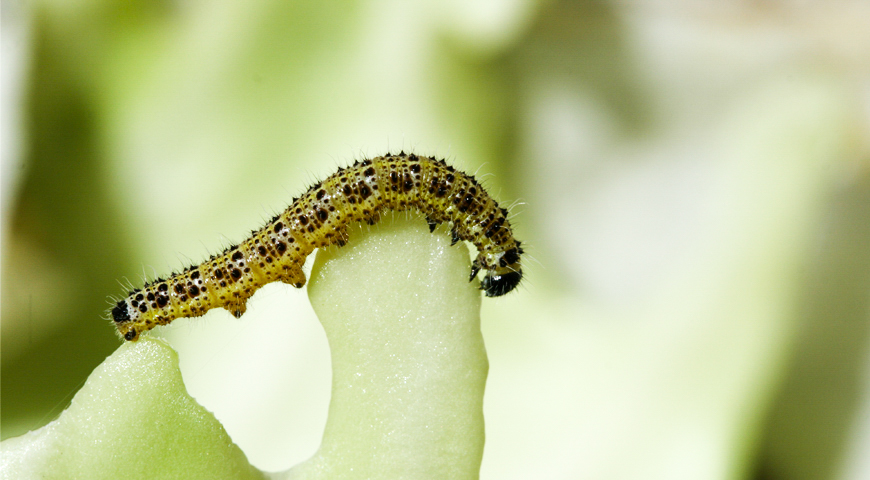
[
  {"x": 237, "y": 308},
  {"x": 339, "y": 237},
  {"x": 293, "y": 275},
  {"x": 475, "y": 268},
  {"x": 371, "y": 217}
]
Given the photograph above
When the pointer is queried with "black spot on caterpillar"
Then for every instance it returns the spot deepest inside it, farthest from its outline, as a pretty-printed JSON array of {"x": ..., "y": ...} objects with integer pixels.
[{"x": 320, "y": 217}]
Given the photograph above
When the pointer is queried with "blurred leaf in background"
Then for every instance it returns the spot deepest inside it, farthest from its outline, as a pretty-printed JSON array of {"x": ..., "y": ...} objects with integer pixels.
[
  {"x": 690, "y": 182},
  {"x": 63, "y": 244}
]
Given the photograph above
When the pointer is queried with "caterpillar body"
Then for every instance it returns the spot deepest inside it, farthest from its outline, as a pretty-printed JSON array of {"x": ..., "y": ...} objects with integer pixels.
[{"x": 320, "y": 217}]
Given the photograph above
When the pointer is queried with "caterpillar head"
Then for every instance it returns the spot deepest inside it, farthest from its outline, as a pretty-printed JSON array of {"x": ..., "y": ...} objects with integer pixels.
[
  {"x": 504, "y": 274},
  {"x": 125, "y": 318},
  {"x": 497, "y": 284}
]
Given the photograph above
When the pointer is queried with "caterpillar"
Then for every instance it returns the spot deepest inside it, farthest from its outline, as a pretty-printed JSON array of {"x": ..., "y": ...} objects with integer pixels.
[{"x": 320, "y": 217}]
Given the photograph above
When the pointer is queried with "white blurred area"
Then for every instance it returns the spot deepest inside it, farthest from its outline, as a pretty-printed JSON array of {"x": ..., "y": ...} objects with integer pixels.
[
  {"x": 658, "y": 314},
  {"x": 13, "y": 60},
  {"x": 681, "y": 250}
]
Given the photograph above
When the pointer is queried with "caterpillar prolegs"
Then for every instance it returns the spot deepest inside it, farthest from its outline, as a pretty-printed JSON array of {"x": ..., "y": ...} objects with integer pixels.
[{"x": 320, "y": 217}]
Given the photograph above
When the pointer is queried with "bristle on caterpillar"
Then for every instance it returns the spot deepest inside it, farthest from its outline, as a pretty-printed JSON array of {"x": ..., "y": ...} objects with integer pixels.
[{"x": 320, "y": 217}]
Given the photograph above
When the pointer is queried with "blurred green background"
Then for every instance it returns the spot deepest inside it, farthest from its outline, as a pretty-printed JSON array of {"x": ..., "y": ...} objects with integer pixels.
[{"x": 693, "y": 181}]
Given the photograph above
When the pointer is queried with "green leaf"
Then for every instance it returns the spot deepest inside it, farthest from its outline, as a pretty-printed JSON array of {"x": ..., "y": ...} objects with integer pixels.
[
  {"x": 132, "y": 419},
  {"x": 408, "y": 361}
]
